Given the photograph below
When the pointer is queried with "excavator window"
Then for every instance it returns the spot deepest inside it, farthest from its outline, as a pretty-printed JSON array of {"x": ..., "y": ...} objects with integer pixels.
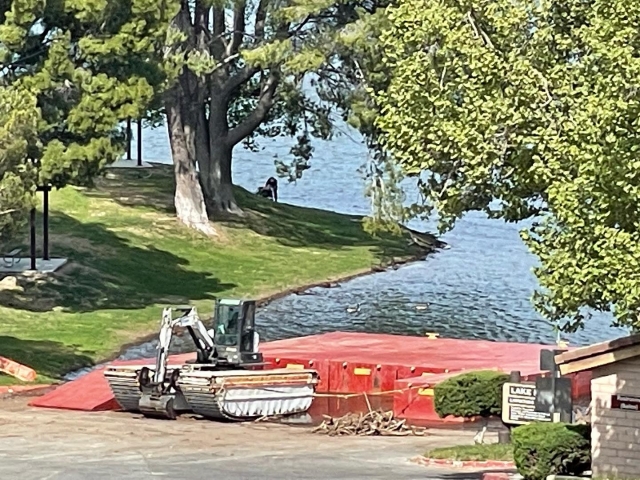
[
  {"x": 248, "y": 329},
  {"x": 227, "y": 324}
]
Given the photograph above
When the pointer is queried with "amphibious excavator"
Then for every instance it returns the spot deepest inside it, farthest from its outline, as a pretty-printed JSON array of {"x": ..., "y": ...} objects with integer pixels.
[{"x": 227, "y": 379}]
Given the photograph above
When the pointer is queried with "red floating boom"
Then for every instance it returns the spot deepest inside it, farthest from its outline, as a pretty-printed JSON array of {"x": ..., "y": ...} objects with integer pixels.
[{"x": 402, "y": 366}]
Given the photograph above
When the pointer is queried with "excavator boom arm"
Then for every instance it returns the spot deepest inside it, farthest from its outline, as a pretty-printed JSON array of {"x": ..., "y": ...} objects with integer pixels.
[{"x": 189, "y": 320}]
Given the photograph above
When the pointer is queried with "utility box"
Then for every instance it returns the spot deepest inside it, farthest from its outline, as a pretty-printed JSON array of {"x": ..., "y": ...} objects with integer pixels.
[{"x": 553, "y": 395}]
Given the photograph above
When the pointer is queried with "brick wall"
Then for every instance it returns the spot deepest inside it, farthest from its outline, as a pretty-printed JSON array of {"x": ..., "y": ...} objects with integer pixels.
[{"x": 615, "y": 434}]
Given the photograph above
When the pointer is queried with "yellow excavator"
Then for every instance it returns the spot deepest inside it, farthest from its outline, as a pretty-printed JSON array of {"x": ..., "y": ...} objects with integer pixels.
[{"x": 227, "y": 380}]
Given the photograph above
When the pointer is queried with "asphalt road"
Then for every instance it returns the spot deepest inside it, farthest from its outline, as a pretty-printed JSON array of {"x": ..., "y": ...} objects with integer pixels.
[
  {"x": 270, "y": 465},
  {"x": 201, "y": 467},
  {"x": 38, "y": 444}
]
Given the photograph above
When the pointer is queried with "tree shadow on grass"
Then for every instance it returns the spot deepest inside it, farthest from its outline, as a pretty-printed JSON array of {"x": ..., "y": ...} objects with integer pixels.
[
  {"x": 296, "y": 226},
  {"x": 290, "y": 225},
  {"x": 48, "y": 358},
  {"x": 107, "y": 272},
  {"x": 138, "y": 187}
]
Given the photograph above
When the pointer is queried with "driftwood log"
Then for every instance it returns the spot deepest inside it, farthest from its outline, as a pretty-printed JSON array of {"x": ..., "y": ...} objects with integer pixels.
[{"x": 377, "y": 422}]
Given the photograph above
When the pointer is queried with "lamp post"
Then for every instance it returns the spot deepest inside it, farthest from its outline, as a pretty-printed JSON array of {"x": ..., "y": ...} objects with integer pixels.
[
  {"x": 45, "y": 189},
  {"x": 129, "y": 135},
  {"x": 140, "y": 142}
]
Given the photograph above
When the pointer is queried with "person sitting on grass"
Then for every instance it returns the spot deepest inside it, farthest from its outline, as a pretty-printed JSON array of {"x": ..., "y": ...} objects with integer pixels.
[{"x": 270, "y": 189}]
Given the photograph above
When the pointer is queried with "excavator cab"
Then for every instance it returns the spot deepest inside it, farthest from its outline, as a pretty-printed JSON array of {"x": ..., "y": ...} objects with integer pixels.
[{"x": 234, "y": 333}]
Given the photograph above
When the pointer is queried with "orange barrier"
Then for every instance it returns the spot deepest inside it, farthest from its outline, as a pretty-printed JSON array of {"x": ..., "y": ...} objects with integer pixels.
[{"x": 17, "y": 370}]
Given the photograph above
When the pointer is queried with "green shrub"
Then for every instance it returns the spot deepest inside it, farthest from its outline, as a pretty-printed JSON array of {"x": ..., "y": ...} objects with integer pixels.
[
  {"x": 542, "y": 449},
  {"x": 470, "y": 394}
]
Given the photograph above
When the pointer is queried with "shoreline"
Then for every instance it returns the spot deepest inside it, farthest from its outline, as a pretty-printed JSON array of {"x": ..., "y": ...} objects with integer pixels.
[
  {"x": 64, "y": 319},
  {"x": 266, "y": 300}
]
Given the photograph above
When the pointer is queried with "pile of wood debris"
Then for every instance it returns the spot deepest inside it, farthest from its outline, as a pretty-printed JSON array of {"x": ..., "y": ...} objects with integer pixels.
[{"x": 377, "y": 422}]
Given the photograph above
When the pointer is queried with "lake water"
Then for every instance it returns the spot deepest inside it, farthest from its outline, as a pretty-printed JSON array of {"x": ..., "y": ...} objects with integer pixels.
[{"x": 479, "y": 288}]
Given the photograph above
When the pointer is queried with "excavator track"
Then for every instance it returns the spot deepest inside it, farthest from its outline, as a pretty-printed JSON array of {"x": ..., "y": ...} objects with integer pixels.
[
  {"x": 238, "y": 395},
  {"x": 233, "y": 395},
  {"x": 123, "y": 382},
  {"x": 125, "y": 391}
]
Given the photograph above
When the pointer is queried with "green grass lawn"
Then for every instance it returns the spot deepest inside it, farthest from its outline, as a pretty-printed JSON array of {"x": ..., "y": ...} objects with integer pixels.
[
  {"x": 491, "y": 451},
  {"x": 129, "y": 257}
]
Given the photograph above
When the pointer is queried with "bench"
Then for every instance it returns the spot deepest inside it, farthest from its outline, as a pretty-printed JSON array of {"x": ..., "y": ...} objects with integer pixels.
[{"x": 11, "y": 258}]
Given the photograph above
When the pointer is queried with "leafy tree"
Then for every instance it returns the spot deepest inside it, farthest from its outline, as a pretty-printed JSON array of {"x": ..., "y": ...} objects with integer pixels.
[
  {"x": 348, "y": 87},
  {"x": 70, "y": 71},
  {"x": 526, "y": 110},
  {"x": 253, "y": 75}
]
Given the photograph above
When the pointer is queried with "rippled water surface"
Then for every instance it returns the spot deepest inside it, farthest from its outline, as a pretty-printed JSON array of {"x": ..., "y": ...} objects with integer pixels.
[{"x": 479, "y": 288}]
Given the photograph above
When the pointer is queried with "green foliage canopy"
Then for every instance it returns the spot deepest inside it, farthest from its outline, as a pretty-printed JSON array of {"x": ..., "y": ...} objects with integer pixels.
[
  {"x": 526, "y": 110},
  {"x": 82, "y": 67}
]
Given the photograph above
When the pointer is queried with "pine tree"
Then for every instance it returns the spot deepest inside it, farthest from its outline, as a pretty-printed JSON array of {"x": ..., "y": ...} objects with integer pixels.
[
  {"x": 19, "y": 118},
  {"x": 77, "y": 69}
]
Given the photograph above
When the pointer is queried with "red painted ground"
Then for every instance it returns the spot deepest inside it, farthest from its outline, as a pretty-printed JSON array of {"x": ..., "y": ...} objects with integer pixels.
[{"x": 405, "y": 367}]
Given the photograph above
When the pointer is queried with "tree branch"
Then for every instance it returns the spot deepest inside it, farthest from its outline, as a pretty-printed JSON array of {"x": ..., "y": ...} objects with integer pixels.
[
  {"x": 479, "y": 32},
  {"x": 261, "y": 18},
  {"x": 220, "y": 43},
  {"x": 238, "y": 27},
  {"x": 201, "y": 23},
  {"x": 238, "y": 79},
  {"x": 255, "y": 118}
]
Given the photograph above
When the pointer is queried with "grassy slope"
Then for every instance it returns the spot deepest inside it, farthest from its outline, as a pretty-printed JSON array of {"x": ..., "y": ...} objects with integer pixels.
[
  {"x": 491, "y": 451},
  {"x": 130, "y": 257}
]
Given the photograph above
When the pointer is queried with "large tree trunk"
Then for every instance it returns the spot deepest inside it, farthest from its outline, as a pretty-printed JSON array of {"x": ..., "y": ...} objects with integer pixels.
[
  {"x": 217, "y": 181},
  {"x": 189, "y": 200},
  {"x": 215, "y": 166}
]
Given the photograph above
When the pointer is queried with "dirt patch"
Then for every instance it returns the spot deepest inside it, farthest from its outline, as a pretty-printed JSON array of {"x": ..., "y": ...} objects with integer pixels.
[
  {"x": 47, "y": 292},
  {"x": 28, "y": 292},
  {"x": 118, "y": 431}
]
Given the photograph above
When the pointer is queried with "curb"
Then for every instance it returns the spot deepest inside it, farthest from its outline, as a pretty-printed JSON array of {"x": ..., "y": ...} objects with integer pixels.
[
  {"x": 440, "y": 462},
  {"x": 26, "y": 390}
]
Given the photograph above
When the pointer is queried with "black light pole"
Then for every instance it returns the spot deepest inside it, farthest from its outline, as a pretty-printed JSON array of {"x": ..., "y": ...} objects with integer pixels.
[
  {"x": 32, "y": 235},
  {"x": 45, "y": 222},
  {"x": 140, "y": 142},
  {"x": 129, "y": 135}
]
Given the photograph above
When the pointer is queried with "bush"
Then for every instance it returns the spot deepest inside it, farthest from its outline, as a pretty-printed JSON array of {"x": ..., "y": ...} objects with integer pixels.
[
  {"x": 470, "y": 394},
  {"x": 542, "y": 449}
]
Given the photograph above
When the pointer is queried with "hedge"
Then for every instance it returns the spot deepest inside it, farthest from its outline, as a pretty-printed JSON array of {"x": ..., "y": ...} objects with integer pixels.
[
  {"x": 470, "y": 394},
  {"x": 542, "y": 449}
]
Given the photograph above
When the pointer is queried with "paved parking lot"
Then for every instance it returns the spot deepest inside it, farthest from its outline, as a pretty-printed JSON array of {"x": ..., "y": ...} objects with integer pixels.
[{"x": 55, "y": 444}]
